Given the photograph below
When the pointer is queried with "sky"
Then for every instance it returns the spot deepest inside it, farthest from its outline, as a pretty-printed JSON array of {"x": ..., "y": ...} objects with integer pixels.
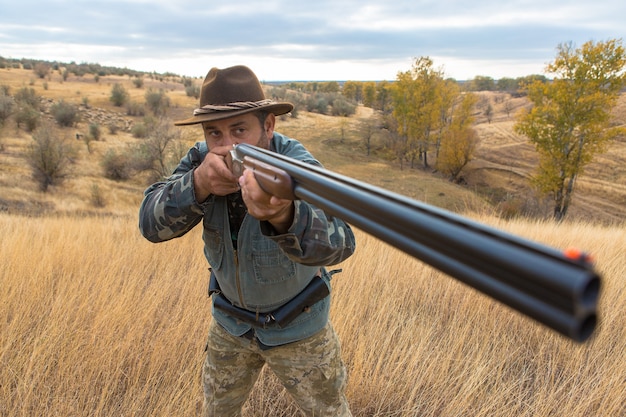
[{"x": 323, "y": 40}]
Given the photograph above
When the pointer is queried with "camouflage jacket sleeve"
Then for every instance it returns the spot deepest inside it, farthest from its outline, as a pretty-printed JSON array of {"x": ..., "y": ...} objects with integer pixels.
[
  {"x": 169, "y": 208},
  {"x": 314, "y": 238}
]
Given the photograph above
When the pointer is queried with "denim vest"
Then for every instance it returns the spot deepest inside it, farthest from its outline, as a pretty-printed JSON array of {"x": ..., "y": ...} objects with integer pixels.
[{"x": 259, "y": 276}]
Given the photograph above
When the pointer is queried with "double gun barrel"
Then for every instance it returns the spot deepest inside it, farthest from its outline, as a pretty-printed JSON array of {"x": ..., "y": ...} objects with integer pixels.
[{"x": 558, "y": 289}]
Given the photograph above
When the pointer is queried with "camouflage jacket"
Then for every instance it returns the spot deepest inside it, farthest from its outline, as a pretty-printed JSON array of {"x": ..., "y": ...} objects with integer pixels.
[{"x": 266, "y": 270}]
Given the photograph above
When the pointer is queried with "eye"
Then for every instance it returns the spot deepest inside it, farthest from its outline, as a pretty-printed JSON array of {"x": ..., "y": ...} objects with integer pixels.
[{"x": 211, "y": 132}]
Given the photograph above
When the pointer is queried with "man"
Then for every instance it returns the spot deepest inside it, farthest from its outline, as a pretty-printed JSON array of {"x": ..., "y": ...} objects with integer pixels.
[{"x": 263, "y": 252}]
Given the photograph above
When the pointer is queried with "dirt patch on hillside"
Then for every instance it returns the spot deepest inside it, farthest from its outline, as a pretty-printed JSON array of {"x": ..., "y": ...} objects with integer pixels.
[{"x": 505, "y": 161}]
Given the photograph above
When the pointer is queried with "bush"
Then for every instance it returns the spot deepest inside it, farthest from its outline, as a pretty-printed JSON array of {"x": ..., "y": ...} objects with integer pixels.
[
  {"x": 97, "y": 198},
  {"x": 119, "y": 95},
  {"x": 27, "y": 96},
  {"x": 318, "y": 104},
  {"x": 113, "y": 128},
  {"x": 160, "y": 152},
  {"x": 139, "y": 130},
  {"x": 94, "y": 131},
  {"x": 50, "y": 157},
  {"x": 6, "y": 107},
  {"x": 41, "y": 69},
  {"x": 116, "y": 165},
  {"x": 135, "y": 109},
  {"x": 157, "y": 101},
  {"x": 193, "y": 91},
  {"x": 342, "y": 107},
  {"x": 65, "y": 114},
  {"x": 28, "y": 116}
]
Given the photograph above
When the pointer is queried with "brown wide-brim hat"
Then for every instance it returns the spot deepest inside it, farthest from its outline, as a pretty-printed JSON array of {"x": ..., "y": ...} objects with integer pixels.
[{"x": 232, "y": 92}]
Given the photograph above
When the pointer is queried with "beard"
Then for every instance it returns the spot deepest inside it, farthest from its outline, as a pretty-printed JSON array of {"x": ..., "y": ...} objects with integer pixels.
[{"x": 264, "y": 141}]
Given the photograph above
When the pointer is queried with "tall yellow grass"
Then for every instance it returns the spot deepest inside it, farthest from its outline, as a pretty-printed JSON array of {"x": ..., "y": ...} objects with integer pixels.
[{"x": 96, "y": 321}]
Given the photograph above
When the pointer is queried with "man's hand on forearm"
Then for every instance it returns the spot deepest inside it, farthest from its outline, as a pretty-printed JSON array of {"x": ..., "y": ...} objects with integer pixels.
[
  {"x": 212, "y": 176},
  {"x": 263, "y": 206}
]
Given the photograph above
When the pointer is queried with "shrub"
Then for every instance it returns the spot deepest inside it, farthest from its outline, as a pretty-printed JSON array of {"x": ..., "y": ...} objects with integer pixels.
[
  {"x": 193, "y": 91},
  {"x": 116, "y": 165},
  {"x": 50, "y": 157},
  {"x": 135, "y": 109},
  {"x": 41, "y": 69},
  {"x": 6, "y": 107},
  {"x": 65, "y": 114},
  {"x": 113, "y": 128},
  {"x": 157, "y": 101},
  {"x": 139, "y": 130},
  {"x": 27, "y": 96},
  {"x": 342, "y": 107},
  {"x": 97, "y": 198},
  {"x": 159, "y": 153},
  {"x": 318, "y": 104},
  {"x": 28, "y": 117},
  {"x": 94, "y": 131},
  {"x": 119, "y": 95}
]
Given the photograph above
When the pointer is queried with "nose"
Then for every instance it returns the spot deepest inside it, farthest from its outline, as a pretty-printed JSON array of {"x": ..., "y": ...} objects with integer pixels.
[{"x": 229, "y": 140}]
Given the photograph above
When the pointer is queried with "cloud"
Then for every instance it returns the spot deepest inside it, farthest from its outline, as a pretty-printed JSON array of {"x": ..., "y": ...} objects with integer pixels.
[{"x": 304, "y": 39}]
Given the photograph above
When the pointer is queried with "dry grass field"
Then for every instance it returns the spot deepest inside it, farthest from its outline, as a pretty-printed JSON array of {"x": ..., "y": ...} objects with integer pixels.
[{"x": 96, "y": 321}]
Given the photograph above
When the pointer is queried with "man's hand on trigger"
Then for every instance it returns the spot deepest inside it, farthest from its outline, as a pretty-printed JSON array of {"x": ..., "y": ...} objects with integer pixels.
[
  {"x": 264, "y": 206},
  {"x": 213, "y": 176}
]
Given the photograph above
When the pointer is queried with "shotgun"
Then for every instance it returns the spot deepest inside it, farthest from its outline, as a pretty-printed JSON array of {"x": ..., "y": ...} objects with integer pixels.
[{"x": 556, "y": 288}]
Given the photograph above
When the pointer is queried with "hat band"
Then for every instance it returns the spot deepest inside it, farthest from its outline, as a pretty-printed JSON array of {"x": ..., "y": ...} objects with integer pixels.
[{"x": 239, "y": 105}]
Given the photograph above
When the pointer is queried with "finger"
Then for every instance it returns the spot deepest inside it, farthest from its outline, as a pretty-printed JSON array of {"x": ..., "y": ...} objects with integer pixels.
[
  {"x": 220, "y": 150},
  {"x": 219, "y": 167},
  {"x": 276, "y": 201}
]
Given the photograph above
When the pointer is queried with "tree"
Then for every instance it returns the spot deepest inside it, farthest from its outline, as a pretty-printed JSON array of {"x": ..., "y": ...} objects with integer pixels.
[
  {"x": 383, "y": 96},
  {"x": 569, "y": 122},
  {"x": 482, "y": 83},
  {"x": 6, "y": 107},
  {"x": 353, "y": 90},
  {"x": 369, "y": 94},
  {"x": 367, "y": 128},
  {"x": 419, "y": 100},
  {"x": 509, "y": 85},
  {"x": 459, "y": 140}
]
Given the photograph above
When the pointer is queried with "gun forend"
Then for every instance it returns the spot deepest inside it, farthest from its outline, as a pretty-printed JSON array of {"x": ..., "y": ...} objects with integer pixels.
[{"x": 272, "y": 180}]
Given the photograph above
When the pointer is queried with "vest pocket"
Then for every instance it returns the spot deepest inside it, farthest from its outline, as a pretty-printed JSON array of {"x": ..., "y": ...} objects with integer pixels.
[
  {"x": 213, "y": 246},
  {"x": 271, "y": 265}
]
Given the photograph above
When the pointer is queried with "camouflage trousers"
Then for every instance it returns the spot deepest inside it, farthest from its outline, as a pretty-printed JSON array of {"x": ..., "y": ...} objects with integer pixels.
[{"x": 311, "y": 370}]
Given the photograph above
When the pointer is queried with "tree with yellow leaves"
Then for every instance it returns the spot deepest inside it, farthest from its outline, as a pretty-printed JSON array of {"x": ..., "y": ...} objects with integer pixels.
[
  {"x": 416, "y": 108},
  {"x": 459, "y": 139},
  {"x": 569, "y": 122}
]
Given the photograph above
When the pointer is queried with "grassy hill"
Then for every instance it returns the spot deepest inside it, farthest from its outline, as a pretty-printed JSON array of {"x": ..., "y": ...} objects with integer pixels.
[{"x": 495, "y": 180}]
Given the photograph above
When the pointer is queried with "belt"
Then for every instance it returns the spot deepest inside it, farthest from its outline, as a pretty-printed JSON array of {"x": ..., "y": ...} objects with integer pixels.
[{"x": 314, "y": 292}]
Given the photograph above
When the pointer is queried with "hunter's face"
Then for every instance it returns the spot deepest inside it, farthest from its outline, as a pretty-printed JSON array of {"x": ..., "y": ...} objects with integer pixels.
[{"x": 246, "y": 128}]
